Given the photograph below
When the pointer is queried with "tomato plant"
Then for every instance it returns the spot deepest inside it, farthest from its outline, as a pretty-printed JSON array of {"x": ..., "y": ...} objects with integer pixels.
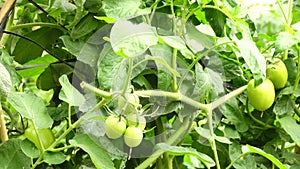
[{"x": 150, "y": 84}]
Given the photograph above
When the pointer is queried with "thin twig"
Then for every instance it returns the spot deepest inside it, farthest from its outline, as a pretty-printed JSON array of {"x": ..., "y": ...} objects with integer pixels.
[{"x": 3, "y": 131}]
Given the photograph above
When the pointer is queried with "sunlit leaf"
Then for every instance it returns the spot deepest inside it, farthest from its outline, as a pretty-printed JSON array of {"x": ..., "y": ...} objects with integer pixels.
[
  {"x": 130, "y": 40},
  {"x": 69, "y": 94},
  {"x": 98, "y": 154},
  {"x": 176, "y": 150},
  {"x": 31, "y": 107}
]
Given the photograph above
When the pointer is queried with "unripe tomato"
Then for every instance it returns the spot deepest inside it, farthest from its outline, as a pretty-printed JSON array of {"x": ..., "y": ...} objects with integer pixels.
[
  {"x": 115, "y": 126},
  {"x": 46, "y": 136},
  {"x": 277, "y": 73},
  {"x": 135, "y": 120},
  {"x": 133, "y": 136},
  {"x": 262, "y": 96}
]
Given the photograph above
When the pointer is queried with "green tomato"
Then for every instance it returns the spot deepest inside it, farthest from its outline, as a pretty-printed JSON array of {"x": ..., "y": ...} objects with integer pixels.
[
  {"x": 262, "y": 96},
  {"x": 115, "y": 126},
  {"x": 277, "y": 73},
  {"x": 46, "y": 136},
  {"x": 133, "y": 136},
  {"x": 135, "y": 120}
]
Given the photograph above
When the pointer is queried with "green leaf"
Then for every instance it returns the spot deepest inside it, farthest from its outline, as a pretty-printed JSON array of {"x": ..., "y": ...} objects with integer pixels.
[
  {"x": 290, "y": 126},
  {"x": 177, "y": 43},
  {"x": 31, "y": 107},
  {"x": 291, "y": 67},
  {"x": 173, "y": 41},
  {"x": 26, "y": 51},
  {"x": 9, "y": 63},
  {"x": 130, "y": 40},
  {"x": 119, "y": 78},
  {"x": 253, "y": 58},
  {"x": 285, "y": 40},
  {"x": 106, "y": 19},
  {"x": 234, "y": 114},
  {"x": 216, "y": 19},
  {"x": 227, "y": 68},
  {"x": 198, "y": 40},
  {"x": 89, "y": 54},
  {"x": 98, "y": 154},
  {"x": 284, "y": 106},
  {"x": 178, "y": 151},
  {"x": 59, "y": 113},
  {"x": 49, "y": 78},
  {"x": 69, "y": 94},
  {"x": 64, "y": 5},
  {"x": 12, "y": 155},
  {"x": 290, "y": 90},
  {"x": 54, "y": 157},
  {"x": 123, "y": 9},
  {"x": 229, "y": 132},
  {"x": 5, "y": 83},
  {"x": 248, "y": 161},
  {"x": 29, "y": 149},
  {"x": 203, "y": 84},
  {"x": 192, "y": 162},
  {"x": 256, "y": 150},
  {"x": 40, "y": 63},
  {"x": 223, "y": 140},
  {"x": 163, "y": 53},
  {"x": 73, "y": 46},
  {"x": 86, "y": 25},
  {"x": 108, "y": 65}
]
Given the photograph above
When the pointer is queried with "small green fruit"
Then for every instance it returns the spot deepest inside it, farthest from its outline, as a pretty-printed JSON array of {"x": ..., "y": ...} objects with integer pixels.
[
  {"x": 262, "y": 96},
  {"x": 133, "y": 136},
  {"x": 115, "y": 127}
]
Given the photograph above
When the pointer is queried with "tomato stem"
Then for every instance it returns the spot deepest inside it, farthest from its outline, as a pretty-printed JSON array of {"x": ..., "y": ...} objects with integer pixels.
[
  {"x": 212, "y": 139},
  {"x": 127, "y": 82},
  {"x": 3, "y": 132},
  {"x": 227, "y": 97},
  {"x": 95, "y": 90}
]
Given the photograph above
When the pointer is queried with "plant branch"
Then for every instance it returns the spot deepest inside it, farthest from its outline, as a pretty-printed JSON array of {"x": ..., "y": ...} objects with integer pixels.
[
  {"x": 175, "y": 96},
  {"x": 227, "y": 97},
  {"x": 3, "y": 132},
  {"x": 95, "y": 90},
  {"x": 235, "y": 160},
  {"x": 212, "y": 139},
  {"x": 127, "y": 82},
  {"x": 174, "y": 66},
  {"x": 171, "y": 141},
  {"x": 42, "y": 24}
]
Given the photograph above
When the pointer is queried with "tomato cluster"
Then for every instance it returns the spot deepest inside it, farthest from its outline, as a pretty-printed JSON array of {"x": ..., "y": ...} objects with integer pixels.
[
  {"x": 132, "y": 127},
  {"x": 262, "y": 96}
]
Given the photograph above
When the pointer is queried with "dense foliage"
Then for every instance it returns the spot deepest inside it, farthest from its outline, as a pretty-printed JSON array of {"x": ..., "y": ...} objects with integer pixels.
[{"x": 150, "y": 84}]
